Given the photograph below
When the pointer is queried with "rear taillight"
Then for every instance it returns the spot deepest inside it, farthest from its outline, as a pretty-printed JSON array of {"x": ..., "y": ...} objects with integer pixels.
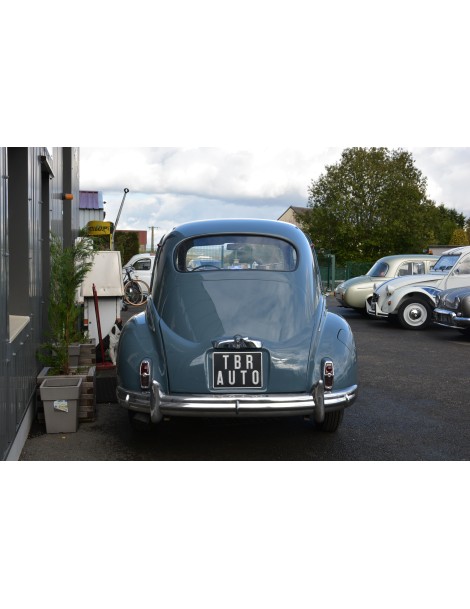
[
  {"x": 328, "y": 374},
  {"x": 145, "y": 374}
]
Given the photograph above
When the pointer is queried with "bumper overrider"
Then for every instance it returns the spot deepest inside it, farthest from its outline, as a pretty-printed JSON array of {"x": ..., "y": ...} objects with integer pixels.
[
  {"x": 159, "y": 405},
  {"x": 443, "y": 317},
  {"x": 372, "y": 307}
]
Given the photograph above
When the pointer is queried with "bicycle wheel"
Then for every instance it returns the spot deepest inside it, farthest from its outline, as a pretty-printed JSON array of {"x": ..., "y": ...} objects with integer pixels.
[
  {"x": 135, "y": 292},
  {"x": 144, "y": 288}
]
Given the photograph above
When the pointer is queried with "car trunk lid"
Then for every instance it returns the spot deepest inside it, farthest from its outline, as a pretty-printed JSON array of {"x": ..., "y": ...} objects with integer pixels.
[{"x": 208, "y": 314}]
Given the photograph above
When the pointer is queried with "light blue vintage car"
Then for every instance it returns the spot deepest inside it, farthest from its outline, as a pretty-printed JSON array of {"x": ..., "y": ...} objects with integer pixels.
[{"x": 247, "y": 334}]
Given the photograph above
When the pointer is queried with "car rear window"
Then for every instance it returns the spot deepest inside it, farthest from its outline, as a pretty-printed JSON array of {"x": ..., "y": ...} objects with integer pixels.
[{"x": 235, "y": 253}]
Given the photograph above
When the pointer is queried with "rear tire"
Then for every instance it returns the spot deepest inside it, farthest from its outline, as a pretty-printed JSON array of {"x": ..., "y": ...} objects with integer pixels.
[
  {"x": 415, "y": 314},
  {"x": 332, "y": 421}
]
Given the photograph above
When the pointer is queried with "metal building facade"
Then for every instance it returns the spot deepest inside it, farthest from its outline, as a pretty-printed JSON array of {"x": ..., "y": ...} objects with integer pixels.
[
  {"x": 33, "y": 182},
  {"x": 91, "y": 207}
]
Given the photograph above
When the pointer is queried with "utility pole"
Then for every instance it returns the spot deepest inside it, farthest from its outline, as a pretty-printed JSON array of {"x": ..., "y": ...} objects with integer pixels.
[{"x": 153, "y": 229}]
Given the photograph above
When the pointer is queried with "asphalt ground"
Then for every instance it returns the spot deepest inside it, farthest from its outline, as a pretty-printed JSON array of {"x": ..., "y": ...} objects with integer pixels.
[{"x": 413, "y": 405}]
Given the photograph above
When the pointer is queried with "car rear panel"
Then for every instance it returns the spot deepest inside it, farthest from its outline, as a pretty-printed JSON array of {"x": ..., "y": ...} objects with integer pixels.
[{"x": 261, "y": 306}]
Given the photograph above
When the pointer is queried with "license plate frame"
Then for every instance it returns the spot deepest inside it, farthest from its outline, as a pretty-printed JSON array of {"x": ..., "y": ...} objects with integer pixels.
[{"x": 237, "y": 370}]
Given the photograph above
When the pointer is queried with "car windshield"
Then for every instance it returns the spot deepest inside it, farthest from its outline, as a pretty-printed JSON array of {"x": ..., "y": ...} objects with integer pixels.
[
  {"x": 446, "y": 262},
  {"x": 235, "y": 253},
  {"x": 380, "y": 269}
]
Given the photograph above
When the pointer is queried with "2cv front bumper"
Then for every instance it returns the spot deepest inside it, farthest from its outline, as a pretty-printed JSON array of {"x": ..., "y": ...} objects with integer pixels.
[{"x": 160, "y": 405}]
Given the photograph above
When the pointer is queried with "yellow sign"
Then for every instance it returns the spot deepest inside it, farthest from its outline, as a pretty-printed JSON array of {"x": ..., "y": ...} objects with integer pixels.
[{"x": 96, "y": 228}]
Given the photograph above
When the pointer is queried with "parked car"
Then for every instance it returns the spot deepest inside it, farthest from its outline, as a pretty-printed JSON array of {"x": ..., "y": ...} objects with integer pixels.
[
  {"x": 354, "y": 292},
  {"x": 250, "y": 337},
  {"x": 453, "y": 309},
  {"x": 412, "y": 300},
  {"x": 141, "y": 267},
  {"x": 203, "y": 261}
]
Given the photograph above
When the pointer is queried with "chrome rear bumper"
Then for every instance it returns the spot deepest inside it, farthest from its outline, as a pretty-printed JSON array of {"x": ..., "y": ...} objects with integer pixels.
[{"x": 159, "y": 405}]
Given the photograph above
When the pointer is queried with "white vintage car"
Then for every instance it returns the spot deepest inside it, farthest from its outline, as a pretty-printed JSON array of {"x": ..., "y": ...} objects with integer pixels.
[
  {"x": 412, "y": 300},
  {"x": 141, "y": 266},
  {"x": 355, "y": 292}
]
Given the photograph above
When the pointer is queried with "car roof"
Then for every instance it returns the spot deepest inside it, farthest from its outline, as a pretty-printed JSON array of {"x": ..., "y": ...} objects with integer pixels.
[
  {"x": 274, "y": 228},
  {"x": 465, "y": 249},
  {"x": 139, "y": 257},
  {"x": 409, "y": 257},
  {"x": 142, "y": 255}
]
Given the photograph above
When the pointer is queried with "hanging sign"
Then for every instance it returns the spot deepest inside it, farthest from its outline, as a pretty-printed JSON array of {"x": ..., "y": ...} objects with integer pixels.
[{"x": 96, "y": 228}]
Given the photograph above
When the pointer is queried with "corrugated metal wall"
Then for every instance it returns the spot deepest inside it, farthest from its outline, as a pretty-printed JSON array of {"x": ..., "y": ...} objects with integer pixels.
[
  {"x": 4, "y": 398},
  {"x": 31, "y": 204}
]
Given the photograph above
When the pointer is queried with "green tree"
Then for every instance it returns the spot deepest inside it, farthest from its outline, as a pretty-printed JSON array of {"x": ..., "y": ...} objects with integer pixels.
[
  {"x": 127, "y": 243},
  {"x": 443, "y": 223},
  {"x": 370, "y": 204},
  {"x": 459, "y": 237}
]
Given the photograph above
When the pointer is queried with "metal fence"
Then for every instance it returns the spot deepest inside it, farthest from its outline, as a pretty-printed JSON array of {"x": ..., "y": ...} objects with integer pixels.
[{"x": 333, "y": 274}]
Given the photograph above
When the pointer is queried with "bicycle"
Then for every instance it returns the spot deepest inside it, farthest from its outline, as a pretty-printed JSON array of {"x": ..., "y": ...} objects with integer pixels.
[{"x": 136, "y": 291}]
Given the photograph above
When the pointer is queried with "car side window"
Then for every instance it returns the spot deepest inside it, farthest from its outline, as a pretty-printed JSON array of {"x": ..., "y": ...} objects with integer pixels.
[
  {"x": 418, "y": 268},
  {"x": 143, "y": 265},
  {"x": 464, "y": 267},
  {"x": 405, "y": 269}
]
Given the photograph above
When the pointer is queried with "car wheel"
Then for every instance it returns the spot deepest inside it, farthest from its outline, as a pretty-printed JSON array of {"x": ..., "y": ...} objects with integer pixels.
[
  {"x": 332, "y": 421},
  {"x": 415, "y": 314},
  {"x": 465, "y": 332}
]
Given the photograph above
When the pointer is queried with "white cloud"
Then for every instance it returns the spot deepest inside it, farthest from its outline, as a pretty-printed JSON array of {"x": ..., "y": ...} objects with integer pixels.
[
  {"x": 233, "y": 174},
  {"x": 448, "y": 173},
  {"x": 172, "y": 185}
]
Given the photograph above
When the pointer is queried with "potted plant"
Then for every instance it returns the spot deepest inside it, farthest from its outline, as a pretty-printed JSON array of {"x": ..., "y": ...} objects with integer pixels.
[{"x": 60, "y": 389}]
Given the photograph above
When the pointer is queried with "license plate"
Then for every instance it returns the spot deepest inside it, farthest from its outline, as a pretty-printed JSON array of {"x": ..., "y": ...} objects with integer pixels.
[{"x": 238, "y": 370}]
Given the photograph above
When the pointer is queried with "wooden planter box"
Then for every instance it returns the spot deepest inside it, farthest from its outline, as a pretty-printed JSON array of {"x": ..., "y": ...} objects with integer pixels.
[{"x": 87, "y": 355}]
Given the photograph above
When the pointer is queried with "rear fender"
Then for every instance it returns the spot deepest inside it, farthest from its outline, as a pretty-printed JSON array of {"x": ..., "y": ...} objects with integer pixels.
[
  {"x": 141, "y": 340},
  {"x": 334, "y": 341}
]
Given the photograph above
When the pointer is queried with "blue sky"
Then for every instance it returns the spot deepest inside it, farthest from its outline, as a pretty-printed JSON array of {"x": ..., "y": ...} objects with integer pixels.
[{"x": 172, "y": 185}]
